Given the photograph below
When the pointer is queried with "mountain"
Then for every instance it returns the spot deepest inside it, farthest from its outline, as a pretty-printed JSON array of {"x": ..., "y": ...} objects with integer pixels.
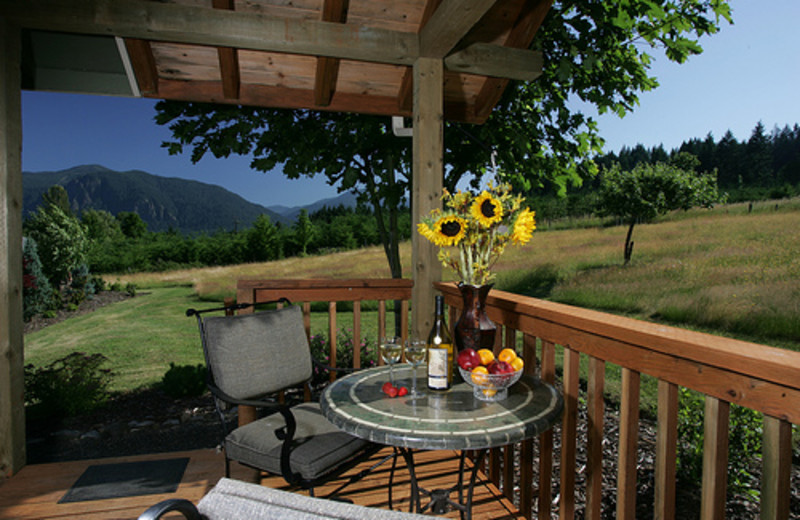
[
  {"x": 162, "y": 202},
  {"x": 346, "y": 199}
]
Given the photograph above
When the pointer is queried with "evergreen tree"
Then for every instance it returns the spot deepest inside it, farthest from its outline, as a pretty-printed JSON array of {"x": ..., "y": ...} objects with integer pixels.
[
  {"x": 758, "y": 158},
  {"x": 262, "y": 240},
  {"x": 36, "y": 289},
  {"x": 303, "y": 232}
]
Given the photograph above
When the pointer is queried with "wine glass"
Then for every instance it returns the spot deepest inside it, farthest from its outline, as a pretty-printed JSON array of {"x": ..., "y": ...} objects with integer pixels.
[
  {"x": 391, "y": 348},
  {"x": 416, "y": 352}
]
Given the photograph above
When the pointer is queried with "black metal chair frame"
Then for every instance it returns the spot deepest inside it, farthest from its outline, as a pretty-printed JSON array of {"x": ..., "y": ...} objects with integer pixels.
[{"x": 267, "y": 406}]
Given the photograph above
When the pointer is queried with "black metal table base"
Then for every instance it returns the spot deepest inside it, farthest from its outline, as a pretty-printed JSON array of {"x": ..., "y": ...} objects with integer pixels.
[{"x": 440, "y": 498}]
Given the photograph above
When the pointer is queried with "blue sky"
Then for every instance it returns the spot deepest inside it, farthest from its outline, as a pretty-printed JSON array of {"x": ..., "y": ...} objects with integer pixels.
[{"x": 748, "y": 72}]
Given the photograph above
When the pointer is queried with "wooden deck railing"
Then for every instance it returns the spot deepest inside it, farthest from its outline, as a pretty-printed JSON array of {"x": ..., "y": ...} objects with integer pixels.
[{"x": 727, "y": 371}]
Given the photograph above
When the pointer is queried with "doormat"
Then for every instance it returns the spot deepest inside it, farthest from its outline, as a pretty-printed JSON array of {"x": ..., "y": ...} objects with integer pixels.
[{"x": 127, "y": 479}]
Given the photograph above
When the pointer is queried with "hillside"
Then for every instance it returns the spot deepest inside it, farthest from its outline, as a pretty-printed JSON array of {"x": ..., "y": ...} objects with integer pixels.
[{"x": 162, "y": 202}]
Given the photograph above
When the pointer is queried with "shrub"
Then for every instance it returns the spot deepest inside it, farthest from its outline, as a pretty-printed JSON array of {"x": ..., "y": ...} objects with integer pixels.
[
  {"x": 69, "y": 386},
  {"x": 744, "y": 442},
  {"x": 345, "y": 347},
  {"x": 184, "y": 380},
  {"x": 81, "y": 285},
  {"x": 36, "y": 290},
  {"x": 130, "y": 288}
]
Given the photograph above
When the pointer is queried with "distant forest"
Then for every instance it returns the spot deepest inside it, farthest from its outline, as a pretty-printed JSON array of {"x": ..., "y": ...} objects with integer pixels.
[
  {"x": 765, "y": 160},
  {"x": 764, "y": 166}
]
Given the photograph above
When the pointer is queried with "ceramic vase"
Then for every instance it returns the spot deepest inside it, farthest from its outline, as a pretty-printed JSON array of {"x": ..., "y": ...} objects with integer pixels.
[{"x": 474, "y": 329}]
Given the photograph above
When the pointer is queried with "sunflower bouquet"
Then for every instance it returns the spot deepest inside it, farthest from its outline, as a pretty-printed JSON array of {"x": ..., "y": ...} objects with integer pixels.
[{"x": 472, "y": 231}]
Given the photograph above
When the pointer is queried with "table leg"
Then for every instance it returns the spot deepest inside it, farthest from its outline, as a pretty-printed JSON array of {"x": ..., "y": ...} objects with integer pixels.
[{"x": 440, "y": 498}]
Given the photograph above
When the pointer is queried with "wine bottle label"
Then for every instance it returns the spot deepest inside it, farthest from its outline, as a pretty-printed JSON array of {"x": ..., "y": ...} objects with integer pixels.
[{"x": 437, "y": 368}]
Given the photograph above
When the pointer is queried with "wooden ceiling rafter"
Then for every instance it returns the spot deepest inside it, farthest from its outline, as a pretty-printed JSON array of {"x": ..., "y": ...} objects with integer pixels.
[
  {"x": 406, "y": 94},
  {"x": 334, "y": 11},
  {"x": 230, "y": 76},
  {"x": 140, "y": 53},
  {"x": 521, "y": 35},
  {"x": 448, "y": 25},
  {"x": 277, "y": 54}
]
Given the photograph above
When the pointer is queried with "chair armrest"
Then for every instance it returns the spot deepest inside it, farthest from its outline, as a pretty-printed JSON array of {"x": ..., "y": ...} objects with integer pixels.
[
  {"x": 180, "y": 505},
  {"x": 257, "y": 403}
]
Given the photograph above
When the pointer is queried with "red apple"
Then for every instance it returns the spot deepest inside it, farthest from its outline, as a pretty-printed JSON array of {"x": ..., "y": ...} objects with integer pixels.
[
  {"x": 500, "y": 367},
  {"x": 468, "y": 359}
]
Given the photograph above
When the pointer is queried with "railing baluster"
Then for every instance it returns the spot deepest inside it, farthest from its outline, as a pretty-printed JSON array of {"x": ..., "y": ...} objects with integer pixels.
[
  {"x": 381, "y": 327},
  {"x": 594, "y": 456},
  {"x": 508, "y": 451},
  {"x": 777, "y": 469},
  {"x": 628, "y": 442},
  {"x": 356, "y": 334},
  {"x": 666, "y": 451},
  {"x": 332, "y": 337},
  {"x": 715, "y": 459},
  {"x": 526, "y": 450},
  {"x": 546, "y": 439},
  {"x": 569, "y": 427}
]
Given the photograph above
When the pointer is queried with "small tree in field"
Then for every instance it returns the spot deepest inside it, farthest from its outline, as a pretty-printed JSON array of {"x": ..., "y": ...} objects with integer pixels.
[
  {"x": 303, "y": 231},
  {"x": 650, "y": 190}
]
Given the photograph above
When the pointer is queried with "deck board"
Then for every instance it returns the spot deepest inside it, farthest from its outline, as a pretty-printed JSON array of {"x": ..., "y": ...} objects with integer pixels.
[{"x": 35, "y": 491}]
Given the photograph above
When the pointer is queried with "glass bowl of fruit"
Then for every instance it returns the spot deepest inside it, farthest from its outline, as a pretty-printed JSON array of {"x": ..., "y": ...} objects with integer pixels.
[{"x": 490, "y": 376}]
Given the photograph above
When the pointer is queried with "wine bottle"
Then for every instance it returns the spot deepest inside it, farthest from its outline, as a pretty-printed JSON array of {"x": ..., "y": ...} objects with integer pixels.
[{"x": 440, "y": 351}]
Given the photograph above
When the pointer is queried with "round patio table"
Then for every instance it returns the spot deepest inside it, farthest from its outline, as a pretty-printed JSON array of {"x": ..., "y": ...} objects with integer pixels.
[{"x": 451, "y": 420}]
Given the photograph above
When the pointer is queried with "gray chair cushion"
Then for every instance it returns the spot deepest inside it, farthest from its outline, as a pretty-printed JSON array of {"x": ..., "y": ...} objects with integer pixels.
[
  {"x": 235, "y": 500},
  {"x": 271, "y": 345},
  {"x": 256, "y": 445}
]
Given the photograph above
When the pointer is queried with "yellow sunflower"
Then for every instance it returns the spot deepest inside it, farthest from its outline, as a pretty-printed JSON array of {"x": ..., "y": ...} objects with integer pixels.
[
  {"x": 523, "y": 227},
  {"x": 448, "y": 231},
  {"x": 487, "y": 210}
]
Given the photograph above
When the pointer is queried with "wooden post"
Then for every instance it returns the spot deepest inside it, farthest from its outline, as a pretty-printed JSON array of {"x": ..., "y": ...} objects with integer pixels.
[
  {"x": 426, "y": 190},
  {"x": 12, "y": 388}
]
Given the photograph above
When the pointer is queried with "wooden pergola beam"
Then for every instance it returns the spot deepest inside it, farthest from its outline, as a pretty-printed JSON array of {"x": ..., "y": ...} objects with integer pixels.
[
  {"x": 426, "y": 186},
  {"x": 334, "y": 11},
  {"x": 12, "y": 402},
  {"x": 174, "y": 23},
  {"x": 228, "y": 60},
  {"x": 214, "y": 27},
  {"x": 451, "y": 21},
  {"x": 529, "y": 21}
]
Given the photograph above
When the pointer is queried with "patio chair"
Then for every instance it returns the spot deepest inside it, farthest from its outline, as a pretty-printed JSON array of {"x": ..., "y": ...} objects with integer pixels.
[
  {"x": 241, "y": 500},
  {"x": 251, "y": 357}
]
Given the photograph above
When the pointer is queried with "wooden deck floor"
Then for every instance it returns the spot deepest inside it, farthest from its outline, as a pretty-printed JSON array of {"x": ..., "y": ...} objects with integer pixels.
[{"x": 35, "y": 491}]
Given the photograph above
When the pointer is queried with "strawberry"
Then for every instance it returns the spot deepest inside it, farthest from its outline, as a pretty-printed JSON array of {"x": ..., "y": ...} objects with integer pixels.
[
  {"x": 392, "y": 392},
  {"x": 387, "y": 386},
  {"x": 402, "y": 391}
]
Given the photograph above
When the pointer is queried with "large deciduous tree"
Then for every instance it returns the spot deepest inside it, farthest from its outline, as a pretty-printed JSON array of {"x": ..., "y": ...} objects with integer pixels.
[
  {"x": 61, "y": 239},
  {"x": 595, "y": 51},
  {"x": 650, "y": 190}
]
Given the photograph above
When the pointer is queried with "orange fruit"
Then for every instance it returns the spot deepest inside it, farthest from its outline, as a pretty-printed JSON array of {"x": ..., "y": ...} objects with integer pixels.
[
  {"x": 487, "y": 356},
  {"x": 517, "y": 364},
  {"x": 480, "y": 375},
  {"x": 508, "y": 355}
]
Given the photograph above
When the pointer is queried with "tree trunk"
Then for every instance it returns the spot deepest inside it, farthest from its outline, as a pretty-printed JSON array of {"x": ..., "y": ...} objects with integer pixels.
[
  {"x": 389, "y": 236},
  {"x": 629, "y": 243}
]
